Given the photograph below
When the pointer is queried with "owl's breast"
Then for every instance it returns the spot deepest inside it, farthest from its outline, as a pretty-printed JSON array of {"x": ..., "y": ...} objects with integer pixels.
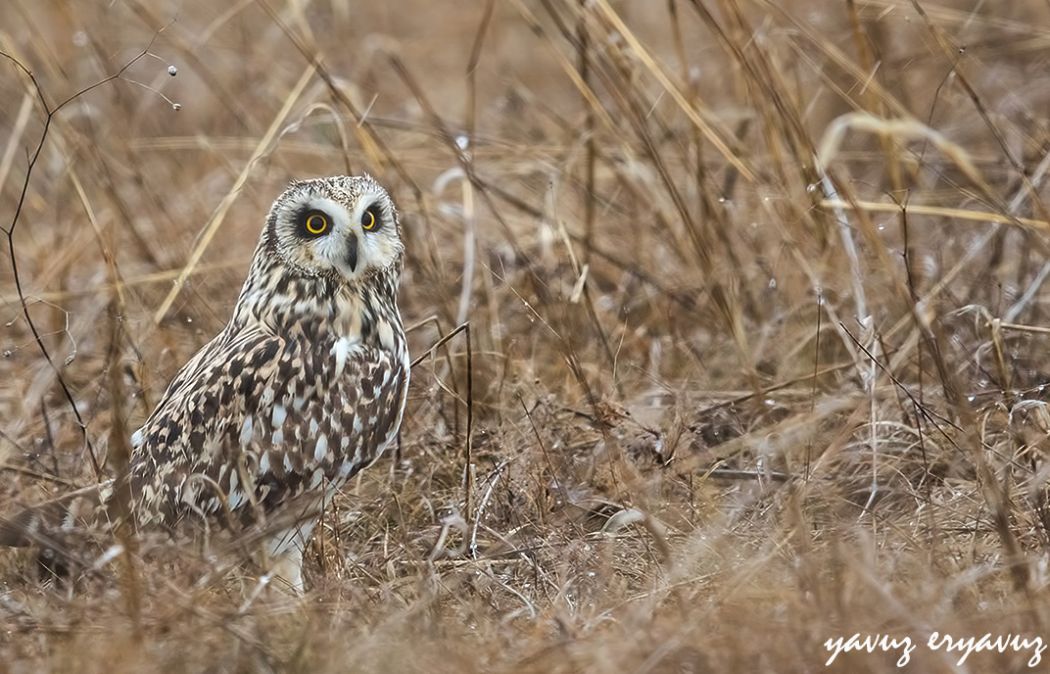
[{"x": 333, "y": 418}]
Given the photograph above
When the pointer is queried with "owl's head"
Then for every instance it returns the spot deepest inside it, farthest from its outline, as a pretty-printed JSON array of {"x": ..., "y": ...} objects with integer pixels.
[{"x": 341, "y": 226}]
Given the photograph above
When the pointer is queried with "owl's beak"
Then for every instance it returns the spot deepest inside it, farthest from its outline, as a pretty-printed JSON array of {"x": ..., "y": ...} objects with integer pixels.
[{"x": 351, "y": 253}]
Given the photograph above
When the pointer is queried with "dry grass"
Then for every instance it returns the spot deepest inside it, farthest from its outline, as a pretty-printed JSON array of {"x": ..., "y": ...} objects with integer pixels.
[{"x": 728, "y": 400}]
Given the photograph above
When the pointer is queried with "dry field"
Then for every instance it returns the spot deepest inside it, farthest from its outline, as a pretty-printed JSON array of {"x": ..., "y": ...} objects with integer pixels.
[{"x": 755, "y": 292}]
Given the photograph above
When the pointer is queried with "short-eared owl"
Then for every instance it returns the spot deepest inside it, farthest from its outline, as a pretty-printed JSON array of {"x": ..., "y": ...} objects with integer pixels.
[{"x": 303, "y": 388}]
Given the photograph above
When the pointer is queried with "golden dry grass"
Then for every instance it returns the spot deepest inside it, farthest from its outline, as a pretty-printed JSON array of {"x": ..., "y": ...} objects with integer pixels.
[{"x": 729, "y": 399}]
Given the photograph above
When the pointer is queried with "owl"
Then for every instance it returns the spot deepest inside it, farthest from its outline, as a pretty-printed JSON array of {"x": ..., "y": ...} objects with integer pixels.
[{"x": 303, "y": 388}]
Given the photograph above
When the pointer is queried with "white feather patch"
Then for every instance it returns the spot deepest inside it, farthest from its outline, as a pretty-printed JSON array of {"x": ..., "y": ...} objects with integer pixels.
[
  {"x": 189, "y": 495},
  {"x": 341, "y": 350},
  {"x": 321, "y": 448},
  {"x": 247, "y": 430},
  {"x": 386, "y": 334}
]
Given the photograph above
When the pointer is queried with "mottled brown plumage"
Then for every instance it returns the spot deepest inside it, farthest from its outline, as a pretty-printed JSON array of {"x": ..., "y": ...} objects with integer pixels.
[{"x": 303, "y": 388}]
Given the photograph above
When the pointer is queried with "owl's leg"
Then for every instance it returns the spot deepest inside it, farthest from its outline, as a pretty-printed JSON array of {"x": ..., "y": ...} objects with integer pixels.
[
  {"x": 285, "y": 553},
  {"x": 287, "y": 570}
]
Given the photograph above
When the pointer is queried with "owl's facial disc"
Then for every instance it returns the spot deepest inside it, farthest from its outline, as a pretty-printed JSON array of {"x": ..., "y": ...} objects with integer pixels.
[{"x": 324, "y": 228}]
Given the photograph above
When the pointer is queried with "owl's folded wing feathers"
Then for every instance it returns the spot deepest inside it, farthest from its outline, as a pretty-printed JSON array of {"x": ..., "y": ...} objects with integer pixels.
[
  {"x": 261, "y": 421},
  {"x": 187, "y": 456}
]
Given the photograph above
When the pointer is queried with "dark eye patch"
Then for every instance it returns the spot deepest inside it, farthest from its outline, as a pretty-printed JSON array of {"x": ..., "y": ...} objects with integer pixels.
[
  {"x": 312, "y": 223},
  {"x": 372, "y": 218}
]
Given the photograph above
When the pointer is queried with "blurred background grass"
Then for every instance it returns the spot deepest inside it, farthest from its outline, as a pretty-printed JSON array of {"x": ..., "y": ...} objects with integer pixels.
[{"x": 729, "y": 398}]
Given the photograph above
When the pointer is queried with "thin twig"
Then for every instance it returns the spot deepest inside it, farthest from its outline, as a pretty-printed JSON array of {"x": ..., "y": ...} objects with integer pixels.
[{"x": 9, "y": 231}]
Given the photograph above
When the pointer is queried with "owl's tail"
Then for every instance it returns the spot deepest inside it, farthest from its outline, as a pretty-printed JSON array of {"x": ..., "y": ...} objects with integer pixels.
[{"x": 53, "y": 525}]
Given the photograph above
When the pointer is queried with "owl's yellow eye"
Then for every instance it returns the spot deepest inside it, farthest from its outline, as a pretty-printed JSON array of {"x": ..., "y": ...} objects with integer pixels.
[
  {"x": 316, "y": 223},
  {"x": 368, "y": 220}
]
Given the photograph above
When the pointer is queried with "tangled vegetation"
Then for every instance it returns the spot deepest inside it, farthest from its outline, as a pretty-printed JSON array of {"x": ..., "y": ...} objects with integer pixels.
[{"x": 755, "y": 301}]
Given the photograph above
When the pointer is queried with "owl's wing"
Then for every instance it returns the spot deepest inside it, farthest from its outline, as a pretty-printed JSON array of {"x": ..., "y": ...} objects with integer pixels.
[
  {"x": 186, "y": 455},
  {"x": 257, "y": 421}
]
